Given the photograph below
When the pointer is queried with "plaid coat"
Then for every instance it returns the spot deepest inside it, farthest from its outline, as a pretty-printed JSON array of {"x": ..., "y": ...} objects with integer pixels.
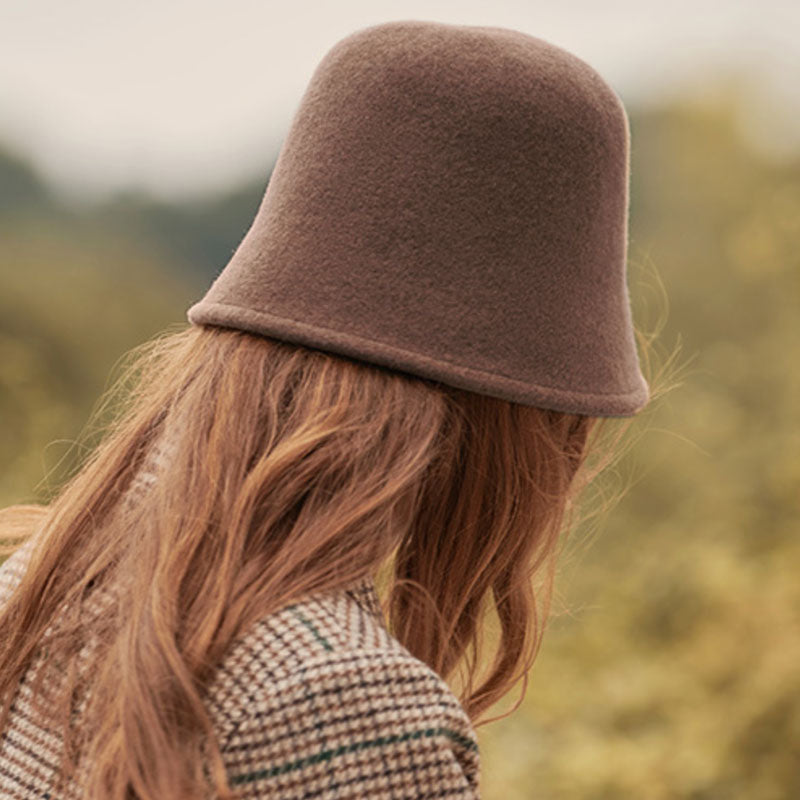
[{"x": 317, "y": 701}]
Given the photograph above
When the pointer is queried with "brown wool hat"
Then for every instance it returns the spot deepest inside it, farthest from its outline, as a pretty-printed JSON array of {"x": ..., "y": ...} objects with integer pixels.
[{"x": 450, "y": 201}]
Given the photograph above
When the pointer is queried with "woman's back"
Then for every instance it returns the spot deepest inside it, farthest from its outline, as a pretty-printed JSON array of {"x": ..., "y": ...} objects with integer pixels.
[{"x": 317, "y": 700}]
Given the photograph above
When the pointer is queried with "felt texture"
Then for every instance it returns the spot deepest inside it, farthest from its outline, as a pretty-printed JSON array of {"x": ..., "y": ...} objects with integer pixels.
[{"x": 450, "y": 201}]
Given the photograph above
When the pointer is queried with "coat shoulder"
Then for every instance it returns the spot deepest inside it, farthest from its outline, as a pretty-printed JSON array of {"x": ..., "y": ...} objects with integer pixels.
[{"x": 321, "y": 694}]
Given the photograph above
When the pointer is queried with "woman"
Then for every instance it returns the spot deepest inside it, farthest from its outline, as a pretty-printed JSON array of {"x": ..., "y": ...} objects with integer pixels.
[{"x": 398, "y": 369}]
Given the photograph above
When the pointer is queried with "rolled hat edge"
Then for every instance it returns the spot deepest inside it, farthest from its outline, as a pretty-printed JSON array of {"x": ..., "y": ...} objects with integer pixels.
[{"x": 622, "y": 404}]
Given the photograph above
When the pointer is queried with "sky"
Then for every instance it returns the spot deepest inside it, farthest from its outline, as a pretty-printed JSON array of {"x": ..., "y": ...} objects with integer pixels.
[{"x": 185, "y": 96}]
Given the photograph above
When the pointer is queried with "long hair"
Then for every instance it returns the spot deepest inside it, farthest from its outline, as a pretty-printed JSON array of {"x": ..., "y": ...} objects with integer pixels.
[{"x": 290, "y": 471}]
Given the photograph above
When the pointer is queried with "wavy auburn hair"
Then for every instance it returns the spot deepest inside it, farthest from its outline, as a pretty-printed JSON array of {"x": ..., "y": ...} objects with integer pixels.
[{"x": 293, "y": 471}]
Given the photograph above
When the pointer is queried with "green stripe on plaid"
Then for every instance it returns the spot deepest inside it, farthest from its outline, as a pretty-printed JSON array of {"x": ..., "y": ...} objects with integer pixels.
[
  {"x": 313, "y": 628},
  {"x": 327, "y": 755}
]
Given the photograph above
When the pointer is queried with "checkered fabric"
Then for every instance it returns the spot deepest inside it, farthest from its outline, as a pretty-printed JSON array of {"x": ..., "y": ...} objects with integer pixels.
[{"x": 317, "y": 700}]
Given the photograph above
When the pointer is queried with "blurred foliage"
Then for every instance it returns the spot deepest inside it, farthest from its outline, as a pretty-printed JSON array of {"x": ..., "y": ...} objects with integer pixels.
[
  {"x": 669, "y": 668},
  {"x": 669, "y": 665},
  {"x": 201, "y": 233},
  {"x": 79, "y": 286}
]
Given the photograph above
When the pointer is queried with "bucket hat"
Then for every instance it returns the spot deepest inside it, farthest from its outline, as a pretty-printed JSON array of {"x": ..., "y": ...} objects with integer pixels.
[{"x": 450, "y": 201}]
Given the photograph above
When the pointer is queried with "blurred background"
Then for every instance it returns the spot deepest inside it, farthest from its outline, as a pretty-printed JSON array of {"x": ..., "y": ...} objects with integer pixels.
[{"x": 136, "y": 141}]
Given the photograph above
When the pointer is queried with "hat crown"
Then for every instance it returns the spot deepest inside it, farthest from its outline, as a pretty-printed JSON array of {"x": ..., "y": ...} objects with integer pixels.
[
  {"x": 490, "y": 115},
  {"x": 452, "y": 201}
]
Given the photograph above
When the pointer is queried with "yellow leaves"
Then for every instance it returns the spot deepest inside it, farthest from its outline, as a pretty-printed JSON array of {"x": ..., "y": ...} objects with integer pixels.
[{"x": 764, "y": 243}]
